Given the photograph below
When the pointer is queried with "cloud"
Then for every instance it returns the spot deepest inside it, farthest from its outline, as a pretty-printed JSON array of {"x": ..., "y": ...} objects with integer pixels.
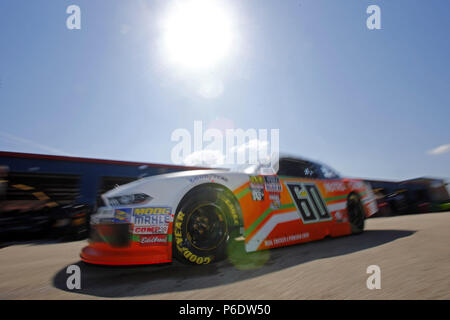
[
  {"x": 254, "y": 151},
  {"x": 440, "y": 150},
  {"x": 252, "y": 145},
  {"x": 204, "y": 158}
]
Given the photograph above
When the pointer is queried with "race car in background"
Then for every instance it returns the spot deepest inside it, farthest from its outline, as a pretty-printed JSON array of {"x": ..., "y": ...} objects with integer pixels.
[{"x": 194, "y": 216}]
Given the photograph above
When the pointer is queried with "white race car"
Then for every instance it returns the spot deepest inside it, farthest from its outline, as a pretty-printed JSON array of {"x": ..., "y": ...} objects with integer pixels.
[{"x": 194, "y": 216}]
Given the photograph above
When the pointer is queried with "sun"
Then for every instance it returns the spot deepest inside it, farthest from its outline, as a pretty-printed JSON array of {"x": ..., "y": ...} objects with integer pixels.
[{"x": 197, "y": 34}]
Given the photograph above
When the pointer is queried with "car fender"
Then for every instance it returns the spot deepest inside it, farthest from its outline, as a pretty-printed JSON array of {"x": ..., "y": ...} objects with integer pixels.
[{"x": 169, "y": 189}]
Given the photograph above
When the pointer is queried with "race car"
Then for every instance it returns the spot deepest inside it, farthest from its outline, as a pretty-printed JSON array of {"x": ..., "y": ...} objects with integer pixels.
[{"x": 194, "y": 216}]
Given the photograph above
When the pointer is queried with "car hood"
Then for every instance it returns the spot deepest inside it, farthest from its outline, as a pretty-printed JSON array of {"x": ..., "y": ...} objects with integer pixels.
[{"x": 154, "y": 179}]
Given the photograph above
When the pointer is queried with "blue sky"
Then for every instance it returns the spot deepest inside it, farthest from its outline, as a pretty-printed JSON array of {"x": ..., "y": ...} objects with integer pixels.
[{"x": 368, "y": 103}]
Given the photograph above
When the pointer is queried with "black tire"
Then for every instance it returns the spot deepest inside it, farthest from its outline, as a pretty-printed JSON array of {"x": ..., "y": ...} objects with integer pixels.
[
  {"x": 205, "y": 221},
  {"x": 356, "y": 213}
]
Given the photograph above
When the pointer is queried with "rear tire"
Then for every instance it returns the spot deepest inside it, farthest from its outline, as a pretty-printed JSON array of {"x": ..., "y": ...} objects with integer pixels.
[
  {"x": 203, "y": 225},
  {"x": 356, "y": 213}
]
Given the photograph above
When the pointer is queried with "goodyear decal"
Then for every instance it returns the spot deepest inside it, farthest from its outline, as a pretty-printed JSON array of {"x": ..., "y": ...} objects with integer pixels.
[
  {"x": 209, "y": 177},
  {"x": 232, "y": 209}
]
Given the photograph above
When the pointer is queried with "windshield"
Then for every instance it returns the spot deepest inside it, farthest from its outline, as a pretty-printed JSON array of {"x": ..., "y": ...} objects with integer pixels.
[
  {"x": 289, "y": 167},
  {"x": 256, "y": 169}
]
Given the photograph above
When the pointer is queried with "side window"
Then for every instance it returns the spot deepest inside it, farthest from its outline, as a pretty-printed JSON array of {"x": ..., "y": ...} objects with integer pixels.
[
  {"x": 297, "y": 168},
  {"x": 327, "y": 173}
]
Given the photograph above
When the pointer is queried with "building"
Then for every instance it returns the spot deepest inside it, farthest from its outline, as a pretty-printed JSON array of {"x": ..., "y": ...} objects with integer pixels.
[{"x": 34, "y": 179}]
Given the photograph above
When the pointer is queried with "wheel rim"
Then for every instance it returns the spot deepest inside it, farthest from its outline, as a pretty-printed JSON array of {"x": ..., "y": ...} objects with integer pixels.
[{"x": 206, "y": 227}]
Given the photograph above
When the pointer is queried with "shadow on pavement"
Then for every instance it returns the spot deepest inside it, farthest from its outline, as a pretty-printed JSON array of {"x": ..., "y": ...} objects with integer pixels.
[{"x": 108, "y": 282}]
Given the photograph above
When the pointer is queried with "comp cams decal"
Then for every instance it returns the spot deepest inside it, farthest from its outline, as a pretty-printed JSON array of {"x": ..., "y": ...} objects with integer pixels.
[
  {"x": 150, "y": 229},
  {"x": 309, "y": 202}
]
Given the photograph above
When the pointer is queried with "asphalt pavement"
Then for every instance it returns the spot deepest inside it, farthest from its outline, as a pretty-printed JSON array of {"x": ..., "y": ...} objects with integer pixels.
[{"x": 412, "y": 252}]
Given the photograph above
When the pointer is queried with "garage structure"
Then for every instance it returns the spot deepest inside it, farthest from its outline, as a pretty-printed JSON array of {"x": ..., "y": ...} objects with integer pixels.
[{"x": 61, "y": 180}]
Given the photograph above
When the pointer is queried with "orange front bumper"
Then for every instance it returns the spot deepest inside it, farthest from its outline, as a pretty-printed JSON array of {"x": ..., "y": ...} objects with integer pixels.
[
  {"x": 111, "y": 251},
  {"x": 105, "y": 255}
]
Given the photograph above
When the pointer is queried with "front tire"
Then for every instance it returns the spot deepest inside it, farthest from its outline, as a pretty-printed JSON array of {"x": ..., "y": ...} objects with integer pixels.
[
  {"x": 356, "y": 213},
  {"x": 203, "y": 225}
]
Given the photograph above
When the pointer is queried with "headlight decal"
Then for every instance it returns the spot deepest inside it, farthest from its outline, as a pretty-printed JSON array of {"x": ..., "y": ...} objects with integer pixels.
[{"x": 129, "y": 199}]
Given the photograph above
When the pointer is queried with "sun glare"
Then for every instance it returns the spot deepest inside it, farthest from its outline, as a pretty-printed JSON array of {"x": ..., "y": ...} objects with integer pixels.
[{"x": 197, "y": 34}]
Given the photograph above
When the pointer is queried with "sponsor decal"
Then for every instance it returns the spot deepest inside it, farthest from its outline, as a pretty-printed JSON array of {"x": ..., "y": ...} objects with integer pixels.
[
  {"x": 209, "y": 177},
  {"x": 276, "y": 203},
  {"x": 334, "y": 186},
  {"x": 155, "y": 216},
  {"x": 256, "y": 182},
  {"x": 274, "y": 196},
  {"x": 150, "y": 229},
  {"x": 257, "y": 188},
  {"x": 152, "y": 220},
  {"x": 151, "y": 210},
  {"x": 272, "y": 184},
  {"x": 357, "y": 185},
  {"x": 282, "y": 240},
  {"x": 153, "y": 240},
  {"x": 258, "y": 194},
  {"x": 122, "y": 215}
]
